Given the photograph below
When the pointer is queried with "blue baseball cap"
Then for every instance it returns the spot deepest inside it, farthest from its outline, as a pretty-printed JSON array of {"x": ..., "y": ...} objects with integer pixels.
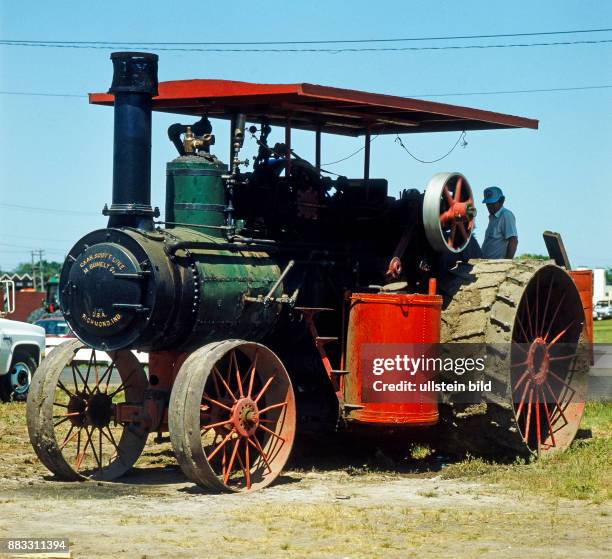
[{"x": 492, "y": 195}]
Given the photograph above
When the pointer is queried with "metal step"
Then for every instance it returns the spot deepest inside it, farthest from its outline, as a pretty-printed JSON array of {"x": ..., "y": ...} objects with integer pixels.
[
  {"x": 349, "y": 407},
  {"x": 321, "y": 340},
  {"x": 312, "y": 310}
]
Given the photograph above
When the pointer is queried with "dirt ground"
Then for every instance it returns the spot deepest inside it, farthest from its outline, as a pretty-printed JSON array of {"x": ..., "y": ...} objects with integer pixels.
[{"x": 345, "y": 510}]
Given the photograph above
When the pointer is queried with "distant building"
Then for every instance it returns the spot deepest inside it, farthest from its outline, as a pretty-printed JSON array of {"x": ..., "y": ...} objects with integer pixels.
[{"x": 22, "y": 281}]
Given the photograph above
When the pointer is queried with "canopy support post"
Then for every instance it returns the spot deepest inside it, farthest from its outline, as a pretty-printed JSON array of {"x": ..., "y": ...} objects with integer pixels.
[
  {"x": 288, "y": 144},
  {"x": 366, "y": 159},
  {"x": 318, "y": 148}
]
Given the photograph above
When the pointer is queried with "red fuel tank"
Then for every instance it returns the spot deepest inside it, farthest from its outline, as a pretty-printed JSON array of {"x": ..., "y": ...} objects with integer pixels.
[{"x": 387, "y": 326}]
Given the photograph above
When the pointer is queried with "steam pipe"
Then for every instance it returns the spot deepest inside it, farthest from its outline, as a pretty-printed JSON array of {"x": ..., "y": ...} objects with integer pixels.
[{"x": 134, "y": 85}]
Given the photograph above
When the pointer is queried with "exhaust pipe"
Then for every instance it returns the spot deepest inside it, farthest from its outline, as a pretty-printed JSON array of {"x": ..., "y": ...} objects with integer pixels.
[{"x": 134, "y": 85}]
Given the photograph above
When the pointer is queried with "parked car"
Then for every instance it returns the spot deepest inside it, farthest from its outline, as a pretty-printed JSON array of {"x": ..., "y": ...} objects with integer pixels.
[
  {"x": 58, "y": 332},
  {"x": 602, "y": 310},
  {"x": 22, "y": 347}
]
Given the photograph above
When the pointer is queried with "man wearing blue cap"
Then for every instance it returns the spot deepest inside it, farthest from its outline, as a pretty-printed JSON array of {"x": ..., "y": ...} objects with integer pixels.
[{"x": 501, "y": 237}]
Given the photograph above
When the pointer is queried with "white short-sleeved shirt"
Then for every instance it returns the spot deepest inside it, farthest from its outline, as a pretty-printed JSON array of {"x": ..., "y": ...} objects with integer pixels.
[{"x": 502, "y": 226}]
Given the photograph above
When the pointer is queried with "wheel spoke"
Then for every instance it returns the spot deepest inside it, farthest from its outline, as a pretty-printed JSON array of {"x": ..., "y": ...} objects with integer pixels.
[
  {"x": 213, "y": 425},
  {"x": 462, "y": 230},
  {"x": 75, "y": 369},
  {"x": 552, "y": 321},
  {"x": 256, "y": 444},
  {"x": 238, "y": 379},
  {"x": 451, "y": 237},
  {"x": 247, "y": 468},
  {"x": 93, "y": 448},
  {"x": 537, "y": 409},
  {"x": 221, "y": 445},
  {"x": 563, "y": 357},
  {"x": 67, "y": 415},
  {"x": 62, "y": 387},
  {"x": 252, "y": 377},
  {"x": 95, "y": 365},
  {"x": 111, "y": 439},
  {"x": 526, "y": 309},
  {"x": 91, "y": 358},
  {"x": 60, "y": 421},
  {"x": 123, "y": 384},
  {"x": 521, "y": 380},
  {"x": 260, "y": 426},
  {"x": 265, "y": 387},
  {"x": 447, "y": 196},
  {"x": 272, "y": 407},
  {"x": 557, "y": 405},
  {"x": 552, "y": 282},
  {"x": 216, "y": 383},
  {"x": 554, "y": 375},
  {"x": 217, "y": 373},
  {"x": 550, "y": 428},
  {"x": 216, "y": 402},
  {"x": 537, "y": 305},
  {"x": 100, "y": 447},
  {"x": 528, "y": 422},
  {"x": 522, "y": 400},
  {"x": 67, "y": 438},
  {"x": 76, "y": 386},
  {"x": 458, "y": 189},
  {"x": 559, "y": 335},
  {"x": 231, "y": 461},
  {"x": 108, "y": 372},
  {"x": 81, "y": 455},
  {"x": 525, "y": 336}
]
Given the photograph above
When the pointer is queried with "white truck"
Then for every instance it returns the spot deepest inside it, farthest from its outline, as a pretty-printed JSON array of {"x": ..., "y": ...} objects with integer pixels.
[{"x": 22, "y": 347}]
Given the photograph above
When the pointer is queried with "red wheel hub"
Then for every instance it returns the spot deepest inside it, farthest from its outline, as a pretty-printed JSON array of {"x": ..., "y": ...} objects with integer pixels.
[
  {"x": 538, "y": 360},
  {"x": 245, "y": 417}
]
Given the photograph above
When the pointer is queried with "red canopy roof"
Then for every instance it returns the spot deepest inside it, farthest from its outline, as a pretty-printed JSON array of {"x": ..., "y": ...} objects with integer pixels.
[{"x": 333, "y": 110}]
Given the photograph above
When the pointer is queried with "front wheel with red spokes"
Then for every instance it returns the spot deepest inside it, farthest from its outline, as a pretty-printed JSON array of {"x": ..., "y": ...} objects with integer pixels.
[{"x": 232, "y": 416}]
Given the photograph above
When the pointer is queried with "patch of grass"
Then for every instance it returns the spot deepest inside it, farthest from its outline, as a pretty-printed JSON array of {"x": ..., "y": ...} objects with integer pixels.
[
  {"x": 581, "y": 472},
  {"x": 602, "y": 331},
  {"x": 420, "y": 451},
  {"x": 429, "y": 494}
]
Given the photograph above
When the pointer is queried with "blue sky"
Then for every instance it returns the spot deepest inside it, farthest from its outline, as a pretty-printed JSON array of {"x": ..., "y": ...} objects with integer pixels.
[{"x": 56, "y": 152}]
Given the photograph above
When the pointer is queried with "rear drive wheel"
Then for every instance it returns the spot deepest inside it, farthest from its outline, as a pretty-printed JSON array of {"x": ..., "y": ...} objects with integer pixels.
[{"x": 529, "y": 317}]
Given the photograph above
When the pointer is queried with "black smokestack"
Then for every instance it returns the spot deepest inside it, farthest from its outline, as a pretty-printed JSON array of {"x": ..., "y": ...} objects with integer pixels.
[{"x": 134, "y": 84}]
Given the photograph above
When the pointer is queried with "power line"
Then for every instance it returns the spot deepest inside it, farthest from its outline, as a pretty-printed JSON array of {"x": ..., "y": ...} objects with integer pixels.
[
  {"x": 552, "y": 89},
  {"x": 41, "y": 94},
  {"x": 424, "y": 95},
  {"x": 310, "y": 42},
  {"x": 47, "y": 210},
  {"x": 37, "y": 238},
  {"x": 339, "y": 50}
]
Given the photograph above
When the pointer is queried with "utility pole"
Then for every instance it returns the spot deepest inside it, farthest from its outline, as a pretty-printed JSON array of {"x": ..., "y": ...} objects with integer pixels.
[
  {"x": 37, "y": 270},
  {"x": 40, "y": 267},
  {"x": 33, "y": 271}
]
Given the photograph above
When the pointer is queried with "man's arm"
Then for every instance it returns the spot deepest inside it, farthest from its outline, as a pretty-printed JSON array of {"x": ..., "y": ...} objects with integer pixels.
[
  {"x": 510, "y": 233},
  {"x": 511, "y": 247}
]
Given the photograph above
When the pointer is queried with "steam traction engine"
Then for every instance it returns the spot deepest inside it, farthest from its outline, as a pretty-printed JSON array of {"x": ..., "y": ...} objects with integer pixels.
[{"x": 257, "y": 297}]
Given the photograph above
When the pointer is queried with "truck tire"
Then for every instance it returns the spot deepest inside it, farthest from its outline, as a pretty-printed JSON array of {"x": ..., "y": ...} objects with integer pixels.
[{"x": 14, "y": 385}]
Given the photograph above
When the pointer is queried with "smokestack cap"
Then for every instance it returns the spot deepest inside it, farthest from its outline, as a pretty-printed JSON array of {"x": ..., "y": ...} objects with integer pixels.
[{"x": 134, "y": 72}]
